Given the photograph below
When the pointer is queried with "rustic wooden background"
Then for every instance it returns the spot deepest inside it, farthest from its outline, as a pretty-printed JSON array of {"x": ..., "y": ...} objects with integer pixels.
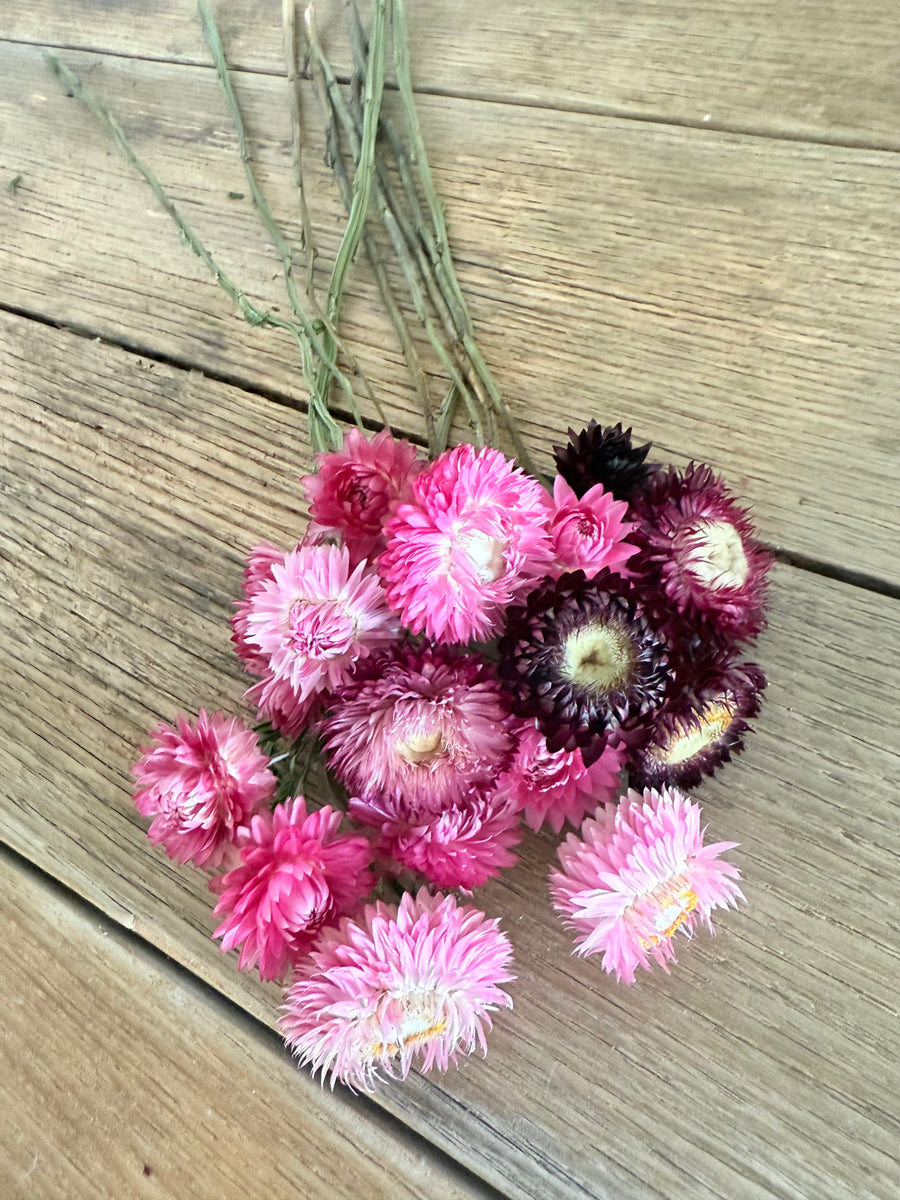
[{"x": 681, "y": 216}]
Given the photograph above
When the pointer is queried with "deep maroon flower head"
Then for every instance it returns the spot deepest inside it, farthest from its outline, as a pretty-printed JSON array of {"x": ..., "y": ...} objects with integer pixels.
[
  {"x": 604, "y": 454},
  {"x": 699, "y": 549},
  {"x": 581, "y": 657}
]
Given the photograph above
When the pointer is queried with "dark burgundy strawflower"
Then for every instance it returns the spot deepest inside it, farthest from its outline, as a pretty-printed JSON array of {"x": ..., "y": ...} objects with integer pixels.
[
  {"x": 581, "y": 657},
  {"x": 699, "y": 550},
  {"x": 604, "y": 454}
]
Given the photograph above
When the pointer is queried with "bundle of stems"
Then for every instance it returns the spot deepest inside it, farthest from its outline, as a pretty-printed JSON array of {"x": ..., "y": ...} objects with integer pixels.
[{"x": 385, "y": 181}]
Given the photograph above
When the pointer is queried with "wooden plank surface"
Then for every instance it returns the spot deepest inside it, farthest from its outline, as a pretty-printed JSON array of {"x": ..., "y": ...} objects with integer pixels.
[
  {"x": 767, "y": 1065},
  {"x": 151, "y": 1088},
  {"x": 822, "y": 71},
  {"x": 732, "y": 297}
]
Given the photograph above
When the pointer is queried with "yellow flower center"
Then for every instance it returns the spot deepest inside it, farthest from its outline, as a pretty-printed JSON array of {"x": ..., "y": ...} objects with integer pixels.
[
  {"x": 666, "y": 907},
  {"x": 716, "y": 556},
  {"x": 598, "y": 657},
  {"x": 707, "y": 727},
  {"x": 421, "y": 1018}
]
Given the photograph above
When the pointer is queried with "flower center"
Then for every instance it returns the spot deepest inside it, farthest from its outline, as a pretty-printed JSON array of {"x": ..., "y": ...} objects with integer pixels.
[
  {"x": 419, "y": 1018},
  {"x": 321, "y": 629},
  {"x": 664, "y": 909},
  {"x": 714, "y": 554},
  {"x": 598, "y": 658},
  {"x": 707, "y": 727},
  {"x": 486, "y": 555},
  {"x": 422, "y": 748}
]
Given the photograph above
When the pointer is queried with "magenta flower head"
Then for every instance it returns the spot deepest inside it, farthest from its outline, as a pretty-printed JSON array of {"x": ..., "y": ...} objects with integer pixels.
[
  {"x": 589, "y": 533},
  {"x": 419, "y": 727},
  {"x": 639, "y": 873},
  {"x": 550, "y": 787},
  {"x": 472, "y": 539},
  {"x": 313, "y": 617},
  {"x": 356, "y": 489},
  {"x": 463, "y": 846},
  {"x": 398, "y": 987},
  {"x": 200, "y": 782},
  {"x": 297, "y": 873},
  {"x": 700, "y": 547}
]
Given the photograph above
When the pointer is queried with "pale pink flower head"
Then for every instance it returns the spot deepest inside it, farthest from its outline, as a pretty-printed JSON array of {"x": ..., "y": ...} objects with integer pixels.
[
  {"x": 588, "y": 534},
  {"x": 397, "y": 987},
  {"x": 356, "y": 489},
  {"x": 297, "y": 874},
  {"x": 200, "y": 782},
  {"x": 463, "y": 846},
  {"x": 315, "y": 617},
  {"x": 639, "y": 873},
  {"x": 472, "y": 539},
  {"x": 258, "y": 571},
  {"x": 276, "y": 702},
  {"x": 551, "y": 787},
  {"x": 419, "y": 726}
]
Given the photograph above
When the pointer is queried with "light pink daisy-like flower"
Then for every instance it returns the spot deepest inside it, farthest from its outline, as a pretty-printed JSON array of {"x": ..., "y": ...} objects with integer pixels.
[
  {"x": 200, "y": 782},
  {"x": 297, "y": 874},
  {"x": 588, "y": 534},
  {"x": 639, "y": 873},
  {"x": 472, "y": 539},
  {"x": 314, "y": 618},
  {"x": 357, "y": 488},
  {"x": 258, "y": 571},
  {"x": 420, "y": 727},
  {"x": 553, "y": 787},
  {"x": 396, "y": 987},
  {"x": 463, "y": 846}
]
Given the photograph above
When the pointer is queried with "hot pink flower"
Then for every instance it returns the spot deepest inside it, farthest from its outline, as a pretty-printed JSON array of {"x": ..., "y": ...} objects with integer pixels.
[
  {"x": 588, "y": 534},
  {"x": 314, "y": 618},
  {"x": 396, "y": 985},
  {"x": 297, "y": 874},
  {"x": 200, "y": 782},
  {"x": 463, "y": 846},
  {"x": 472, "y": 539},
  {"x": 420, "y": 726},
  {"x": 552, "y": 787},
  {"x": 357, "y": 488},
  {"x": 638, "y": 873}
]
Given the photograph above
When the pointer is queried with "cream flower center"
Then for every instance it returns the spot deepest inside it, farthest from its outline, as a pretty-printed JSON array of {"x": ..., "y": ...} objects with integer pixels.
[
  {"x": 486, "y": 555},
  {"x": 422, "y": 748},
  {"x": 598, "y": 657},
  {"x": 714, "y": 555},
  {"x": 419, "y": 1016},
  {"x": 664, "y": 909},
  {"x": 708, "y": 726}
]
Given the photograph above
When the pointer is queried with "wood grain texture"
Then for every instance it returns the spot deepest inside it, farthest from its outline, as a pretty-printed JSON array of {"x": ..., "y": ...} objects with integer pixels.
[
  {"x": 733, "y": 298},
  {"x": 812, "y": 70},
  {"x": 767, "y": 1065},
  {"x": 145, "y": 1086}
]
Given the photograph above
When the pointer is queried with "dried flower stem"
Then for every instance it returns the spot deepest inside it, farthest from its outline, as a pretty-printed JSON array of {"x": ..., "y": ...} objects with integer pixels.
[
  {"x": 324, "y": 430},
  {"x": 289, "y": 23}
]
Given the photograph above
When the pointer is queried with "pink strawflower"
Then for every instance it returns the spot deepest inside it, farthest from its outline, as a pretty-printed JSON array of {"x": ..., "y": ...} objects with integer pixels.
[
  {"x": 588, "y": 534},
  {"x": 419, "y": 726},
  {"x": 276, "y": 702},
  {"x": 398, "y": 986},
  {"x": 463, "y": 846},
  {"x": 472, "y": 539},
  {"x": 356, "y": 489},
  {"x": 314, "y": 618},
  {"x": 297, "y": 874},
  {"x": 551, "y": 787},
  {"x": 638, "y": 873},
  {"x": 200, "y": 782}
]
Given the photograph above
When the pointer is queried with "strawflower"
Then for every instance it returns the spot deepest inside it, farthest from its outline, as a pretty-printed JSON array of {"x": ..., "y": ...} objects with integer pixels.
[
  {"x": 419, "y": 727},
  {"x": 297, "y": 873},
  {"x": 398, "y": 987},
  {"x": 472, "y": 539},
  {"x": 356, "y": 489},
  {"x": 200, "y": 782},
  {"x": 589, "y": 533},
  {"x": 638, "y": 873}
]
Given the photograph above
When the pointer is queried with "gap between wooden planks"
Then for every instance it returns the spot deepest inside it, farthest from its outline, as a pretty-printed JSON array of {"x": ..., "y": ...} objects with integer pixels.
[
  {"x": 809, "y": 70},
  {"x": 731, "y": 297},
  {"x": 122, "y": 1077},
  {"x": 132, "y": 490}
]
